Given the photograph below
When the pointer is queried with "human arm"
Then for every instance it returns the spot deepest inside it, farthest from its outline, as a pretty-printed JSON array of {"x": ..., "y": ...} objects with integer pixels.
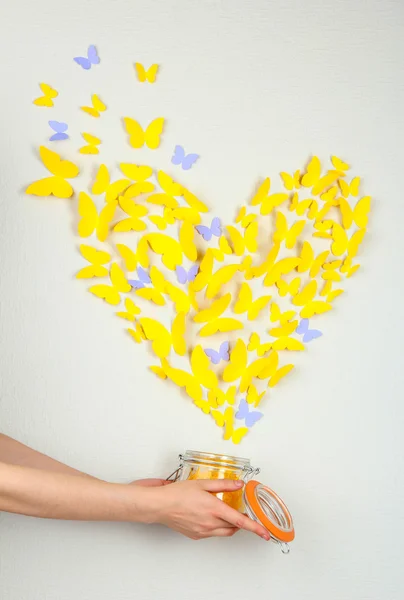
[{"x": 49, "y": 489}]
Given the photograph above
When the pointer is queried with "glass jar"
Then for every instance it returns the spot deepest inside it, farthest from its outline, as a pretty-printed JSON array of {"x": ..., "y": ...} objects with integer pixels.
[{"x": 257, "y": 501}]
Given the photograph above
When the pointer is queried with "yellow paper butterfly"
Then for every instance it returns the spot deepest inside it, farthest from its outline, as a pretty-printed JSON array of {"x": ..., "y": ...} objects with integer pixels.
[
  {"x": 132, "y": 310},
  {"x": 162, "y": 339},
  {"x": 92, "y": 143},
  {"x": 226, "y": 420},
  {"x": 97, "y": 258},
  {"x": 271, "y": 371},
  {"x": 253, "y": 397},
  {"x": 220, "y": 278},
  {"x": 135, "y": 211},
  {"x": 56, "y": 185},
  {"x": 315, "y": 307},
  {"x": 168, "y": 247},
  {"x": 103, "y": 185},
  {"x": 339, "y": 164},
  {"x": 185, "y": 380},
  {"x": 112, "y": 293},
  {"x": 137, "y": 333},
  {"x": 255, "y": 344},
  {"x": 47, "y": 98},
  {"x": 359, "y": 214},
  {"x": 237, "y": 240},
  {"x": 306, "y": 295},
  {"x": 155, "y": 293},
  {"x": 143, "y": 75},
  {"x": 286, "y": 288},
  {"x": 284, "y": 330},
  {"x": 186, "y": 239},
  {"x": 300, "y": 207},
  {"x": 243, "y": 218},
  {"x": 286, "y": 234},
  {"x": 308, "y": 261},
  {"x": 291, "y": 182},
  {"x": 181, "y": 299},
  {"x": 214, "y": 311},
  {"x": 281, "y": 267},
  {"x": 238, "y": 369},
  {"x": 149, "y": 136},
  {"x": 221, "y": 325},
  {"x": 354, "y": 186},
  {"x": 313, "y": 172},
  {"x": 162, "y": 222},
  {"x": 329, "y": 292},
  {"x": 97, "y": 106},
  {"x": 92, "y": 221},
  {"x": 170, "y": 190},
  {"x": 132, "y": 258},
  {"x": 277, "y": 315},
  {"x": 245, "y": 303}
]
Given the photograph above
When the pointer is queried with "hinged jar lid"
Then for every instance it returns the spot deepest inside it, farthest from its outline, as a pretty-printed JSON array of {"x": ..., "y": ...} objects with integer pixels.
[{"x": 265, "y": 507}]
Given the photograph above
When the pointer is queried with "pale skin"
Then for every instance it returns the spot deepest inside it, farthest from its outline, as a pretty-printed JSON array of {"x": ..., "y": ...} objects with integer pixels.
[{"x": 36, "y": 485}]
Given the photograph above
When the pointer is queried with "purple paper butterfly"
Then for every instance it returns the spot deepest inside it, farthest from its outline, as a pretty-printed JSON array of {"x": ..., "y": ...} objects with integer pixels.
[
  {"x": 185, "y": 160},
  {"x": 140, "y": 283},
  {"x": 184, "y": 276},
  {"x": 207, "y": 232},
  {"x": 60, "y": 129},
  {"x": 250, "y": 417},
  {"x": 308, "y": 334},
  {"x": 217, "y": 355},
  {"x": 92, "y": 58}
]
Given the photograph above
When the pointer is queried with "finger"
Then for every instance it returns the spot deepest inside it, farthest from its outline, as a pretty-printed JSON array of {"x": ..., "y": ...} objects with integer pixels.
[
  {"x": 224, "y": 532},
  {"x": 242, "y": 522},
  {"x": 220, "y": 485}
]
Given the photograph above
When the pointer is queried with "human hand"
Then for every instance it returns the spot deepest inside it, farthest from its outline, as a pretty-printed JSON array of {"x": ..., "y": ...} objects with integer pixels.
[{"x": 190, "y": 508}]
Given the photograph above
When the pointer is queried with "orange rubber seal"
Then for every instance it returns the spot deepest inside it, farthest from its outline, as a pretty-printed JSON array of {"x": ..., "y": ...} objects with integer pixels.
[{"x": 281, "y": 534}]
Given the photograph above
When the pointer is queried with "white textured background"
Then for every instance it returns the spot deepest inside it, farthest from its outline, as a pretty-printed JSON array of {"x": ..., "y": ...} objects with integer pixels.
[{"x": 255, "y": 87}]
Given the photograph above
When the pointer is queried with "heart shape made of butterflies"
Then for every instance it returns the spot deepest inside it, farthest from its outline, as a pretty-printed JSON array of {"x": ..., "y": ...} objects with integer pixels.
[{"x": 278, "y": 266}]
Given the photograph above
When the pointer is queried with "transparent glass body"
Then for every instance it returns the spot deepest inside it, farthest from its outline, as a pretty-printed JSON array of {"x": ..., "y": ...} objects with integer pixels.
[{"x": 202, "y": 465}]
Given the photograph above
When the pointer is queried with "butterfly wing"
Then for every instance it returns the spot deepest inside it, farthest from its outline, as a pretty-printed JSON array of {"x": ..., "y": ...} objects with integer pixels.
[
  {"x": 141, "y": 72},
  {"x": 224, "y": 351},
  {"x": 215, "y": 227},
  {"x": 84, "y": 62},
  {"x": 57, "y": 126},
  {"x": 92, "y": 55},
  {"x": 303, "y": 327},
  {"x": 189, "y": 160},
  {"x": 242, "y": 412},
  {"x": 153, "y": 132},
  {"x": 105, "y": 218},
  {"x": 136, "y": 133},
  {"x": 213, "y": 355},
  {"x": 181, "y": 274},
  {"x": 151, "y": 73},
  {"x": 253, "y": 417},
  {"x": 193, "y": 272},
  {"x": 89, "y": 215},
  {"x": 205, "y": 232},
  {"x": 178, "y": 156},
  {"x": 56, "y": 137},
  {"x": 143, "y": 275},
  {"x": 311, "y": 334}
]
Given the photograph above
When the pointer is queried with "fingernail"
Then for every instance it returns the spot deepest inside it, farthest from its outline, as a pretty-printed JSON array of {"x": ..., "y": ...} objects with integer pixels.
[
  {"x": 265, "y": 537},
  {"x": 239, "y": 483}
]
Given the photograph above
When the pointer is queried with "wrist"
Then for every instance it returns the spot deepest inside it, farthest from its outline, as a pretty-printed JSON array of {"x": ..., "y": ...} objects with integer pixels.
[{"x": 140, "y": 503}]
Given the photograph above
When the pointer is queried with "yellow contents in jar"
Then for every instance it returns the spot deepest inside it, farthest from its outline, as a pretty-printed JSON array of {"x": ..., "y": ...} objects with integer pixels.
[{"x": 233, "y": 499}]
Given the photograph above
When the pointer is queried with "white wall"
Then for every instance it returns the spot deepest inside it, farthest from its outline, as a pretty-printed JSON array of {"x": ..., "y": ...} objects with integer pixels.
[{"x": 255, "y": 87}]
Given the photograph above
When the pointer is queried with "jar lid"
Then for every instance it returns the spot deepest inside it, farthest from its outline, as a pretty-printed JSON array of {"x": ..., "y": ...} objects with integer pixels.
[{"x": 264, "y": 506}]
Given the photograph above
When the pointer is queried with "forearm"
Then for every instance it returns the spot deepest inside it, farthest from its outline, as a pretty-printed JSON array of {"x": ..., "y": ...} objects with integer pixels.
[
  {"x": 51, "y": 495},
  {"x": 15, "y": 453}
]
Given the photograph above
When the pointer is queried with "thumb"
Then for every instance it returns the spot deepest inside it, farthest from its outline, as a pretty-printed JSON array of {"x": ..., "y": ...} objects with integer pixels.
[{"x": 220, "y": 485}]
